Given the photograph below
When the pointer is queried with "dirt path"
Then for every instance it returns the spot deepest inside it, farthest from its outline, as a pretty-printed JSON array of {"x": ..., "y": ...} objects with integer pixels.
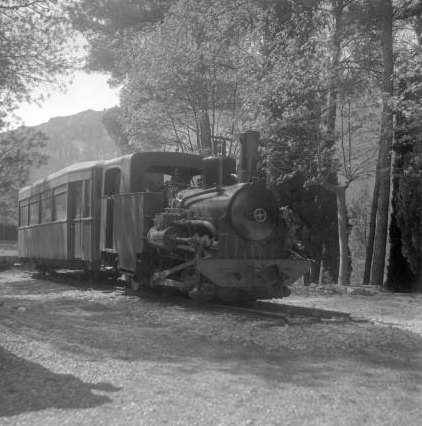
[{"x": 74, "y": 355}]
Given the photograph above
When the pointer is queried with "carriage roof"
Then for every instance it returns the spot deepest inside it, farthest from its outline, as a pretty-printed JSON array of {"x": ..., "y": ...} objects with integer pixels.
[
  {"x": 74, "y": 172},
  {"x": 141, "y": 160}
]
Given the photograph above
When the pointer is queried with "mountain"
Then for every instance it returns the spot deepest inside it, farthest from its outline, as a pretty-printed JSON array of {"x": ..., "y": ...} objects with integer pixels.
[{"x": 72, "y": 139}]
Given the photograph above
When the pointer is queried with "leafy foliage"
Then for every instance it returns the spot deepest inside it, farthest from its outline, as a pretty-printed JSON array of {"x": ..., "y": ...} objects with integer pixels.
[
  {"x": 408, "y": 214},
  {"x": 113, "y": 123},
  {"x": 34, "y": 48},
  {"x": 314, "y": 76},
  {"x": 180, "y": 64},
  {"x": 19, "y": 151},
  {"x": 175, "y": 81},
  {"x": 109, "y": 25},
  {"x": 405, "y": 232},
  {"x": 316, "y": 227}
]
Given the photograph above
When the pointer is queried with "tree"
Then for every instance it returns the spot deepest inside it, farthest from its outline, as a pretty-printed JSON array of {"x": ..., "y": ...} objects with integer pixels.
[
  {"x": 114, "y": 30},
  {"x": 384, "y": 10},
  {"x": 346, "y": 85},
  {"x": 20, "y": 150},
  {"x": 33, "y": 49},
  {"x": 382, "y": 21},
  {"x": 359, "y": 213},
  {"x": 404, "y": 273},
  {"x": 179, "y": 63},
  {"x": 185, "y": 84},
  {"x": 317, "y": 87},
  {"x": 113, "y": 123},
  {"x": 109, "y": 25},
  {"x": 291, "y": 102},
  {"x": 301, "y": 71},
  {"x": 33, "y": 41}
]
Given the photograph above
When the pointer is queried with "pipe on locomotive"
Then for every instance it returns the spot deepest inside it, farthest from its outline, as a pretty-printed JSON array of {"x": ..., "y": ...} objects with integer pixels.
[
  {"x": 198, "y": 223},
  {"x": 173, "y": 237}
]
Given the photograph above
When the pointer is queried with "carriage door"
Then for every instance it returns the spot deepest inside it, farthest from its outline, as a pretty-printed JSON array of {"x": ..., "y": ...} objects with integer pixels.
[
  {"x": 76, "y": 220},
  {"x": 111, "y": 187}
]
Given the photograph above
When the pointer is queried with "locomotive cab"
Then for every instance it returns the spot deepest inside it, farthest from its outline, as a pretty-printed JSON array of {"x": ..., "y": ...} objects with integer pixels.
[{"x": 143, "y": 184}]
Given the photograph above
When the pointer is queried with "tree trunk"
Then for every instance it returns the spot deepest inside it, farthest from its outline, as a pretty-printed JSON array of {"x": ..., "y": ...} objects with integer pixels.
[
  {"x": 343, "y": 273},
  {"x": 340, "y": 191},
  {"x": 330, "y": 138},
  {"x": 204, "y": 126},
  {"x": 321, "y": 267},
  {"x": 371, "y": 232},
  {"x": 378, "y": 263},
  {"x": 399, "y": 274}
]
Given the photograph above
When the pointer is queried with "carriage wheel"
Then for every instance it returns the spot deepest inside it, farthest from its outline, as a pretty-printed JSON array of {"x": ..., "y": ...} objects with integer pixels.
[{"x": 134, "y": 285}]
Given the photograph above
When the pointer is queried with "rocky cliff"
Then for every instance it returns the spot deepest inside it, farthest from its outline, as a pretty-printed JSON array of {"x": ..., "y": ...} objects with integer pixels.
[{"x": 75, "y": 138}]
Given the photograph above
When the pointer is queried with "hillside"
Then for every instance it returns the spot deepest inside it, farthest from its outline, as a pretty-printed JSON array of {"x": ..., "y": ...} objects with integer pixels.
[
  {"x": 75, "y": 138},
  {"x": 71, "y": 139}
]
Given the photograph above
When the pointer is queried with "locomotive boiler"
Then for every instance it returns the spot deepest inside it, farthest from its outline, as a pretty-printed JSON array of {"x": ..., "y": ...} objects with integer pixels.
[{"x": 164, "y": 219}]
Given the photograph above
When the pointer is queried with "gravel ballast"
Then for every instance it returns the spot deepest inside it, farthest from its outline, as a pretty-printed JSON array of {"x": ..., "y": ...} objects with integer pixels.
[{"x": 74, "y": 354}]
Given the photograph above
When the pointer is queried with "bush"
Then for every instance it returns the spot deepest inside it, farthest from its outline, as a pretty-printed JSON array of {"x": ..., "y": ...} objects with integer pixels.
[
  {"x": 409, "y": 211},
  {"x": 8, "y": 232}
]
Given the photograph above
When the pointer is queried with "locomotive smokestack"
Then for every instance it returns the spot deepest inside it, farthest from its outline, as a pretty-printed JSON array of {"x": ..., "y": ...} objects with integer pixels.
[{"x": 248, "y": 155}]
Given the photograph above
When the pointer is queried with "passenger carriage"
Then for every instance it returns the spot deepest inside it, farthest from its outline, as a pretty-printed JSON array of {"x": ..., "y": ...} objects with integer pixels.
[
  {"x": 90, "y": 212},
  {"x": 59, "y": 217}
]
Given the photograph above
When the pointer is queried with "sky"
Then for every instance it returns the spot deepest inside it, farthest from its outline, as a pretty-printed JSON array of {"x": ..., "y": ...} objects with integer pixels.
[{"x": 87, "y": 91}]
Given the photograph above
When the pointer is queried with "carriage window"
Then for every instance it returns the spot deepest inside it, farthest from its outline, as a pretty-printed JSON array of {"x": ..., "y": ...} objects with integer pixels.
[
  {"x": 23, "y": 213},
  {"x": 60, "y": 203},
  {"x": 87, "y": 199},
  {"x": 34, "y": 210},
  {"x": 77, "y": 198},
  {"x": 46, "y": 207}
]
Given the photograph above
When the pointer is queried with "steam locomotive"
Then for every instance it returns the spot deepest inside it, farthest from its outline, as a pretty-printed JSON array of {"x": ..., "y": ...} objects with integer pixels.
[{"x": 164, "y": 219}]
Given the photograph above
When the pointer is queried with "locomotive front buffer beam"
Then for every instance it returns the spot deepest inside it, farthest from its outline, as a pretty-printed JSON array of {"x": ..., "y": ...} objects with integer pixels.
[
  {"x": 248, "y": 279},
  {"x": 228, "y": 280}
]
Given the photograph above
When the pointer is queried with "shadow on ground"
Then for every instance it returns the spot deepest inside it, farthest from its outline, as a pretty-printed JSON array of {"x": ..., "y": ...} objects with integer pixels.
[
  {"x": 27, "y": 386},
  {"x": 178, "y": 333}
]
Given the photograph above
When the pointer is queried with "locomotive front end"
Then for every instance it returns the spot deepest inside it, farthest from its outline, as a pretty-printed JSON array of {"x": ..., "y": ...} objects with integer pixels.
[
  {"x": 252, "y": 256},
  {"x": 230, "y": 239}
]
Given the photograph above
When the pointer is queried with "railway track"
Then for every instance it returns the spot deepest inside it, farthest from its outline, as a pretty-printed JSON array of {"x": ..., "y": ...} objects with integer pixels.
[{"x": 287, "y": 314}]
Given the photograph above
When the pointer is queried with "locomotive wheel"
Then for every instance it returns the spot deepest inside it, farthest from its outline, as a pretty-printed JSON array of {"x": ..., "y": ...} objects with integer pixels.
[{"x": 131, "y": 282}]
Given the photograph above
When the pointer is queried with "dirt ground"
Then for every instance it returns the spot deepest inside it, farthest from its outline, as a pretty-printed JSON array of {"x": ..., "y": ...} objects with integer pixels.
[{"x": 74, "y": 354}]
